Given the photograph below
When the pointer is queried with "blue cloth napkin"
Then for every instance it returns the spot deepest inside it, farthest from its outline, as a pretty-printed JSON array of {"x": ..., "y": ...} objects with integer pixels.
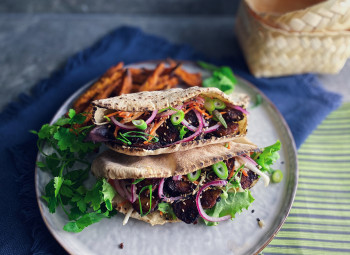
[{"x": 301, "y": 99}]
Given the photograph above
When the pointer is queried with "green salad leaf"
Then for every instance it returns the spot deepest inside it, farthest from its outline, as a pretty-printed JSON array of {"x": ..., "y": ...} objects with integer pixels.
[
  {"x": 84, "y": 221},
  {"x": 268, "y": 156},
  {"x": 230, "y": 205},
  {"x": 222, "y": 77}
]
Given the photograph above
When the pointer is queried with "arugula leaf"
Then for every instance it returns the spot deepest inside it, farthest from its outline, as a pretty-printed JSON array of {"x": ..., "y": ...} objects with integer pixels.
[
  {"x": 95, "y": 196},
  {"x": 268, "y": 156},
  {"x": 166, "y": 209},
  {"x": 84, "y": 221},
  {"x": 108, "y": 193},
  {"x": 222, "y": 77},
  {"x": 76, "y": 118},
  {"x": 50, "y": 196},
  {"x": 57, "y": 184},
  {"x": 66, "y": 188},
  {"x": 234, "y": 203}
]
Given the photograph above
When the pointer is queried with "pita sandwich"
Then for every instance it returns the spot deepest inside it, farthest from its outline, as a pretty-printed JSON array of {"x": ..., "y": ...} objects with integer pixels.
[
  {"x": 181, "y": 186},
  {"x": 158, "y": 122}
]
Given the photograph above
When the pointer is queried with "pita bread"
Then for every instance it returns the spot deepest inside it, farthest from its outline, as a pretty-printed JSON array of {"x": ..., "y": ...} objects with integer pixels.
[
  {"x": 114, "y": 165},
  {"x": 156, "y": 100}
]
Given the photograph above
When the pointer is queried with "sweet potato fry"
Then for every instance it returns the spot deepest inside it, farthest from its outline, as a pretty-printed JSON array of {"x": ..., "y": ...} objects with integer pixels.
[
  {"x": 168, "y": 83},
  {"x": 127, "y": 83},
  {"x": 138, "y": 75},
  {"x": 153, "y": 78},
  {"x": 104, "y": 94},
  {"x": 190, "y": 79},
  {"x": 109, "y": 77},
  {"x": 114, "y": 69}
]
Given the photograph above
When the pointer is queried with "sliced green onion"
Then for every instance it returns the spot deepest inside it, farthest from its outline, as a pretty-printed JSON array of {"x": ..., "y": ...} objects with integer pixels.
[
  {"x": 176, "y": 118},
  {"x": 138, "y": 180},
  {"x": 183, "y": 132},
  {"x": 150, "y": 200},
  {"x": 221, "y": 119},
  {"x": 220, "y": 170},
  {"x": 142, "y": 135},
  {"x": 123, "y": 139},
  {"x": 209, "y": 105},
  {"x": 194, "y": 176},
  {"x": 107, "y": 118},
  {"x": 277, "y": 176},
  {"x": 219, "y": 104},
  {"x": 140, "y": 124}
]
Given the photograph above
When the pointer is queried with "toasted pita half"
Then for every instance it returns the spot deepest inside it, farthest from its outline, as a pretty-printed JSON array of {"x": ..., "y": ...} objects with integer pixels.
[
  {"x": 154, "y": 218},
  {"x": 157, "y": 100},
  {"x": 114, "y": 165}
]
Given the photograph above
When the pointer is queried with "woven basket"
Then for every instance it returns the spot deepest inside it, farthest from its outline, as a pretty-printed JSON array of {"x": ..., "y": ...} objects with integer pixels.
[
  {"x": 271, "y": 51},
  {"x": 303, "y": 15}
]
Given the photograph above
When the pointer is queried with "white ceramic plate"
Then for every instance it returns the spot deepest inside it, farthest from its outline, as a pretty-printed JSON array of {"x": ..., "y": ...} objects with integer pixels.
[{"x": 240, "y": 236}]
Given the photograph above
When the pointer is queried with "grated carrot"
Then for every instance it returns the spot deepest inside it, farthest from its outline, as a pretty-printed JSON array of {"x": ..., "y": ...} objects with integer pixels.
[
  {"x": 231, "y": 174},
  {"x": 195, "y": 182},
  {"x": 201, "y": 111},
  {"x": 111, "y": 114},
  {"x": 161, "y": 213},
  {"x": 229, "y": 146},
  {"x": 154, "y": 129},
  {"x": 123, "y": 203},
  {"x": 244, "y": 172}
]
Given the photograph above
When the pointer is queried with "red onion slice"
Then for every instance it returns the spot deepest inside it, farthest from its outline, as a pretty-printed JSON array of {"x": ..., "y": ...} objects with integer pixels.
[
  {"x": 133, "y": 193},
  {"x": 177, "y": 177},
  {"x": 127, "y": 193},
  {"x": 199, "y": 205},
  {"x": 200, "y": 99},
  {"x": 118, "y": 188},
  {"x": 188, "y": 125},
  {"x": 149, "y": 120},
  {"x": 205, "y": 124},
  {"x": 250, "y": 159},
  {"x": 195, "y": 134},
  {"x": 161, "y": 194},
  {"x": 212, "y": 128},
  {"x": 123, "y": 126},
  {"x": 240, "y": 109},
  {"x": 169, "y": 112},
  {"x": 132, "y": 127}
]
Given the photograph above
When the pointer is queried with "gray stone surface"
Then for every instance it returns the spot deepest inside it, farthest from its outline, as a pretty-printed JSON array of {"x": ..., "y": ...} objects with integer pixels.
[
  {"x": 33, "y": 46},
  {"x": 163, "y": 7}
]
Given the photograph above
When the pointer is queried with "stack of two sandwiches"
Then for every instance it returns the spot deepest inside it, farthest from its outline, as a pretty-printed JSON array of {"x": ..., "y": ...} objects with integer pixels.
[{"x": 177, "y": 155}]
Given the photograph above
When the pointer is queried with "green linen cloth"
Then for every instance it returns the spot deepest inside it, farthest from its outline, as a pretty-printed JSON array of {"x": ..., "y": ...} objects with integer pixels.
[{"x": 319, "y": 221}]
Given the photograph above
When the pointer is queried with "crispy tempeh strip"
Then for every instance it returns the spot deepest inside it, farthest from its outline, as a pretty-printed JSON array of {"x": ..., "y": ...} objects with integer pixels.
[
  {"x": 152, "y": 80},
  {"x": 127, "y": 83},
  {"x": 110, "y": 76},
  {"x": 190, "y": 79}
]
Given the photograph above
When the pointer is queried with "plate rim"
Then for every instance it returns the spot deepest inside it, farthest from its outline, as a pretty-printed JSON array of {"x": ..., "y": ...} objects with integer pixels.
[{"x": 251, "y": 86}]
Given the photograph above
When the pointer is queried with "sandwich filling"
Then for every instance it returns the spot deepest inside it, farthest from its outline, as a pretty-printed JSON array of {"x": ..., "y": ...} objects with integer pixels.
[
  {"x": 214, "y": 193},
  {"x": 196, "y": 119}
]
